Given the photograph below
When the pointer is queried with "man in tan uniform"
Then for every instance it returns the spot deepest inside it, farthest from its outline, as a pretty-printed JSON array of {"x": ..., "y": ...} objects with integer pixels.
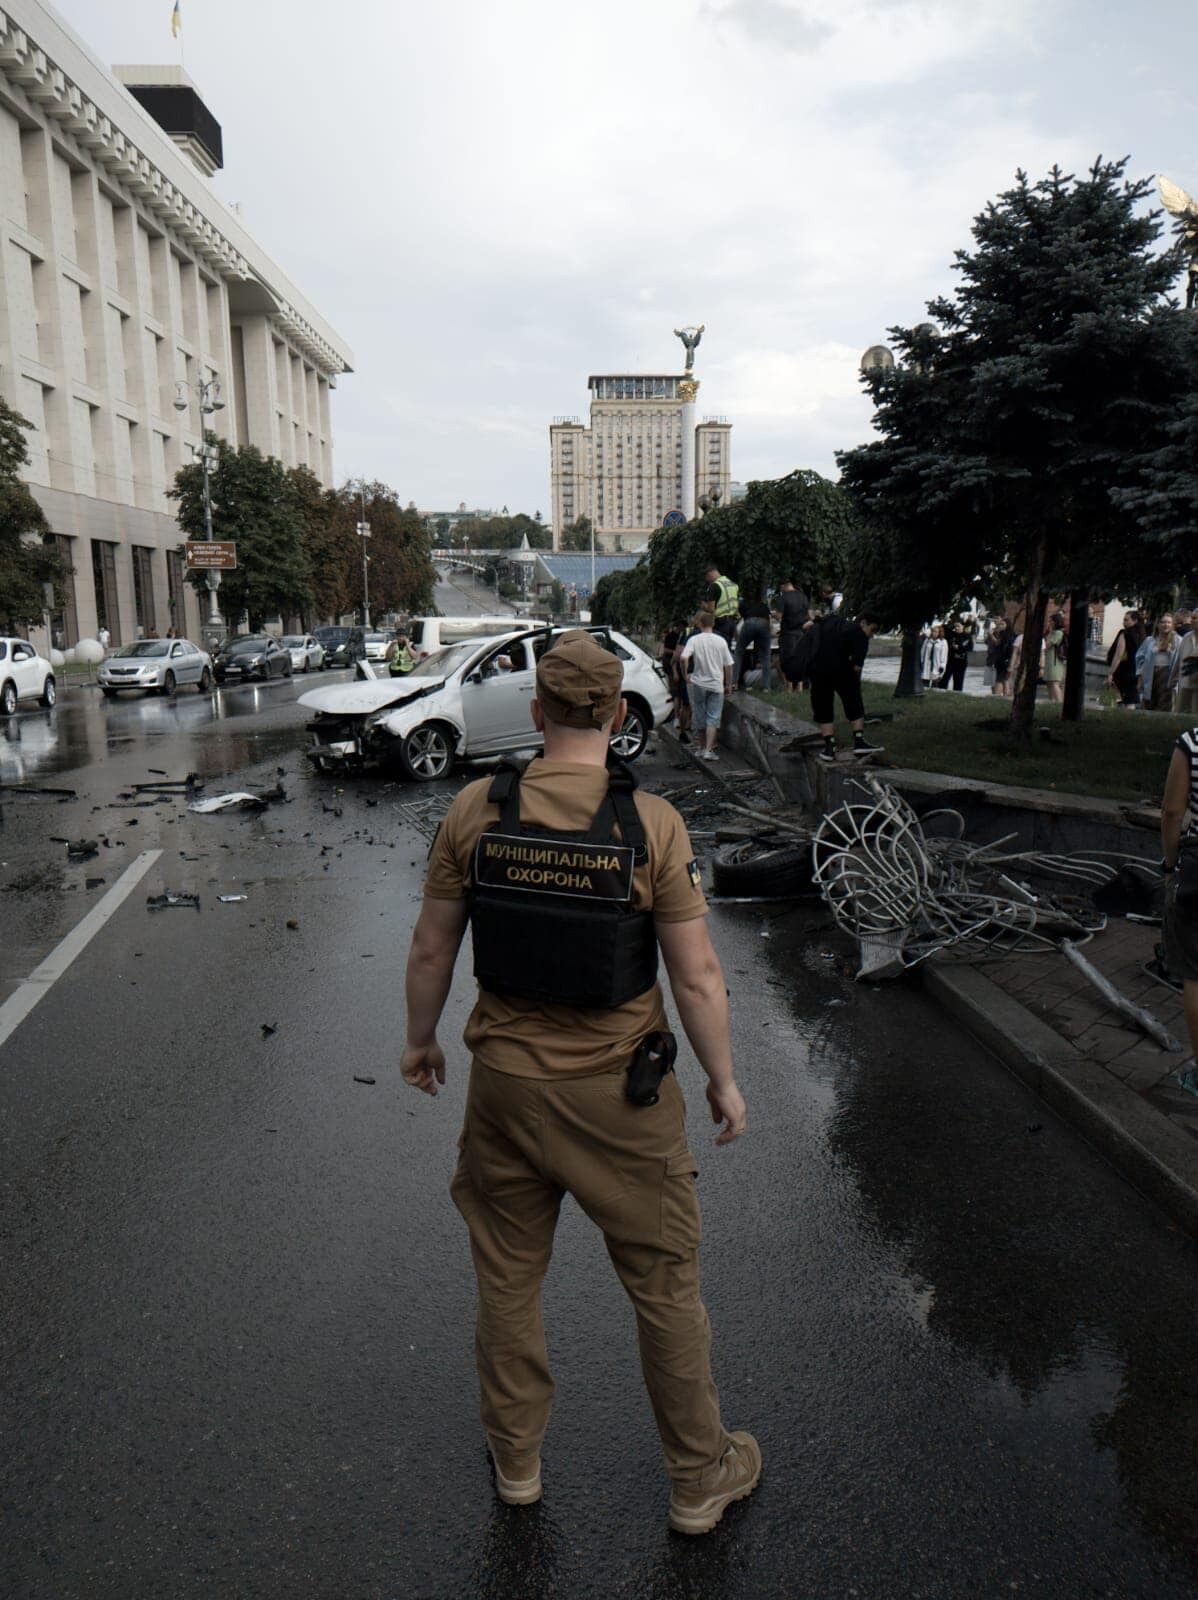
[{"x": 547, "y": 1110}]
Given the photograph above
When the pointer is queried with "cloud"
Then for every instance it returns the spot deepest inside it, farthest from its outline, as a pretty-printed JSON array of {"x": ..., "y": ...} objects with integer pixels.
[{"x": 492, "y": 202}]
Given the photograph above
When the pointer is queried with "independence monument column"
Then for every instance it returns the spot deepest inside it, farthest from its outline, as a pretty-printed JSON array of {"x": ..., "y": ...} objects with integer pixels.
[{"x": 688, "y": 389}]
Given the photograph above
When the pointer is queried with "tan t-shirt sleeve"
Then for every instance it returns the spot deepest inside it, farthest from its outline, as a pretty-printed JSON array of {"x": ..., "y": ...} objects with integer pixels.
[
  {"x": 449, "y": 860},
  {"x": 677, "y": 888}
]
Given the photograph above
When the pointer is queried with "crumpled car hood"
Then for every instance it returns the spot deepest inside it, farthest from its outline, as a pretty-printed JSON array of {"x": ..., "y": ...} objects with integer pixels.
[{"x": 364, "y": 699}]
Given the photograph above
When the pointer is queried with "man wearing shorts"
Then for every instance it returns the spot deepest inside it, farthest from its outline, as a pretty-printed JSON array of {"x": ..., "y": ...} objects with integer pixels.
[
  {"x": 707, "y": 662},
  {"x": 836, "y": 670}
]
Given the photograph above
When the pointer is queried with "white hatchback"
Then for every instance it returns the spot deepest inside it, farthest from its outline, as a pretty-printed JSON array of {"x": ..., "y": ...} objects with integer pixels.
[
  {"x": 467, "y": 702},
  {"x": 24, "y": 675}
]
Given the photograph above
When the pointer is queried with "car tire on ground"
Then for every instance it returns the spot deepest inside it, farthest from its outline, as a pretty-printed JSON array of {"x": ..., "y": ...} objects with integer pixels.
[
  {"x": 49, "y": 692},
  {"x": 426, "y": 753},
  {"x": 632, "y": 738},
  {"x": 169, "y": 686},
  {"x": 206, "y": 681},
  {"x": 287, "y": 667},
  {"x": 8, "y": 699},
  {"x": 763, "y": 869},
  {"x": 107, "y": 692}
]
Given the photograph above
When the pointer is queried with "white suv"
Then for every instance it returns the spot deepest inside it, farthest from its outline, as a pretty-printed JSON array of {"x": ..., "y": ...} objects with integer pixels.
[
  {"x": 427, "y": 635},
  {"x": 469, "y": 701},
  {"x": 24, "y": 675}
]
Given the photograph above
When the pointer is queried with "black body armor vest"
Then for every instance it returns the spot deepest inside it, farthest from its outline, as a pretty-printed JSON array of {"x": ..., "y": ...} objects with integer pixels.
[{"x": 551, "y": 913}]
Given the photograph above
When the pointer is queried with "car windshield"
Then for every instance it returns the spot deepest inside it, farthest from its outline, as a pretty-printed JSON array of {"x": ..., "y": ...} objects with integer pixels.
[
  {"x": 331, "y": 635},
  {"x": 442, "y": 662},
  {"x": 240, "y": 646},
  {"x": 145, "y": 647},
  {"x": 376, "y": 638},
  {"x": 293, "y": 641}
]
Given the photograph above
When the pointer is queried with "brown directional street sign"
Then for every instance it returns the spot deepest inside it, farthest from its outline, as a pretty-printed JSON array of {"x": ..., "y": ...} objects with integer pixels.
[{"x": 211, "y": 555}]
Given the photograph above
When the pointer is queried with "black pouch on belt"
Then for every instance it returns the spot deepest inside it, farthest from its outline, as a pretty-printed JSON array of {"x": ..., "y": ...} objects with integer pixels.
[{"x": 655, "y": 1056}]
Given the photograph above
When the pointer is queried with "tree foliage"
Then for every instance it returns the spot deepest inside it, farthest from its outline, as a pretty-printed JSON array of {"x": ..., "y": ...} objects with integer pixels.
[
  {"x": 1007, "y": 441},
  {"x": 256, "y": 502},
  {"x": 797, "y": 526},
  {"x": 625, "y": 599},
  {"x": 401, "y": 571},
  {"x": 25, "y": 563},
  {"x": 576, "y": 535},
  {"x": 499, "y": 533}
]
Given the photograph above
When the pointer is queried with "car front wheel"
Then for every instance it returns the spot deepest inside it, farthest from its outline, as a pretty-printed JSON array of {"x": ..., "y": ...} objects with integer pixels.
[
  {"x": 168, "y": 685},
  {"x": 426, "y": 754},
  {"x": 49, "y": 693},
  {"x": 633, "y": 736}
]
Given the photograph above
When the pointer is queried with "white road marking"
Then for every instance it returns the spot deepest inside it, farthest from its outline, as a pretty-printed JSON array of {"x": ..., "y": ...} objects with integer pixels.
[{"x": 23, "y": 999}]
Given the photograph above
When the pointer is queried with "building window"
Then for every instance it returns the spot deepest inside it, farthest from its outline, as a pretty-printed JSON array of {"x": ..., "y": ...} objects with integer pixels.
[
  {"x": 108, "y": 613},
  {"x": 143, "y": 590}
]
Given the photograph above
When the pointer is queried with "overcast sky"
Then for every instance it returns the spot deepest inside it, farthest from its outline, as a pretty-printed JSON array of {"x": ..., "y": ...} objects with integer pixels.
[{"x": 491, "y": 201}]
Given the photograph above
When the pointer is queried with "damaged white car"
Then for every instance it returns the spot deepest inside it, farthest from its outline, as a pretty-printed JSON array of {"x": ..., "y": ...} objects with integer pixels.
[{"x": 467, "y": 702}]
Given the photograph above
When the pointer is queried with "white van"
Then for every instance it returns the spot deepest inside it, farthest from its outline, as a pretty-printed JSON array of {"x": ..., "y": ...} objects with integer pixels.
[{"x": 430, "y": 634}]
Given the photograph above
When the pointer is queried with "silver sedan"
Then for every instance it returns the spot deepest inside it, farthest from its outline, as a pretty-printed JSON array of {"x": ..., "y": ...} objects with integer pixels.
[
  {"x": 156, "y": 664},
  {"x": 307, "y": 653}
]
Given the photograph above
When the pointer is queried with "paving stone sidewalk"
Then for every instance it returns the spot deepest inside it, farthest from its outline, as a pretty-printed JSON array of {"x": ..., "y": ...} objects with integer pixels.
[{"x": 1056, "y": 992}]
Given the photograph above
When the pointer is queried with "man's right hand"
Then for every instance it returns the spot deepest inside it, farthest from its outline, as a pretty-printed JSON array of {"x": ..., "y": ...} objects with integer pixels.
[{"x": 727, "y": 1106}]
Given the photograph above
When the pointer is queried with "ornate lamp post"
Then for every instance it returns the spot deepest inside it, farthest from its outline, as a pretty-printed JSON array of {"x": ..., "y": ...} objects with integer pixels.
[{"x": 208, "y": 394}]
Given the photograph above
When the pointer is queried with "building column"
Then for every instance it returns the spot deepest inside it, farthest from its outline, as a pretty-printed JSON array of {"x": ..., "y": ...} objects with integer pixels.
[{"x": 688, "y": 389}]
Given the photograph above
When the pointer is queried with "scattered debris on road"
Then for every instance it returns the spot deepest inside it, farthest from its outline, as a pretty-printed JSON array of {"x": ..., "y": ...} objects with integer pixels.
[
  {"x": 169, "y": 899},
  {"x": 239, "y": 800},
  {"x": 293, "y": 923},
  {"x": 361, "y": 1078},
  {"x": 269, "y": 1028},
  {"x": 36, "y": 789},
  {"x": 78, "y": 849},
  {"x": 231, "y": 899}
]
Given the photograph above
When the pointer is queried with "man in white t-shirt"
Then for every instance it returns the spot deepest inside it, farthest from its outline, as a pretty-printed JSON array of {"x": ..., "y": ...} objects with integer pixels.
[{"x": 707, "y": 662}]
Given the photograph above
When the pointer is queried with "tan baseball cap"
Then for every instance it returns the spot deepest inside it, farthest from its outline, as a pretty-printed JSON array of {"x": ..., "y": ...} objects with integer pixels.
[{"x": 579, "y": 682}]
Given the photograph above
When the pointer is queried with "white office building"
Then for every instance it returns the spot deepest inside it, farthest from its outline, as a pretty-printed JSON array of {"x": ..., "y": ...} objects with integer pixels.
[
  {"x": 122, "y": 276},
  {"x": 625, "y": 471}
]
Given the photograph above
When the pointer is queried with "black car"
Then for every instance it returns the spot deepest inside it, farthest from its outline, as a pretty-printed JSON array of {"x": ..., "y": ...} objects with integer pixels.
[
  {"x": 254, "y": 655},
  {"x": 342, "y": 645}
]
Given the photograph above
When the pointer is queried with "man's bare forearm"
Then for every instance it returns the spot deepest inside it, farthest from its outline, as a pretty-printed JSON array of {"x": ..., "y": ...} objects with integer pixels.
[
  {"x": 426, "y": 988},
  {"x": 703, "y": 1010}
]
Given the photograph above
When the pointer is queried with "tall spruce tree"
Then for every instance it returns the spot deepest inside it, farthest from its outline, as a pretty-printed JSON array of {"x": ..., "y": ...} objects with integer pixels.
[{"x": 1009, "y": 440}]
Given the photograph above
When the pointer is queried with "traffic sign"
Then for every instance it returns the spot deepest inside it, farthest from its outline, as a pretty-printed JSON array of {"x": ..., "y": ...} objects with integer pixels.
[
  {"x": 672, "y": 519},
  {"x": 211, "y": 555}
]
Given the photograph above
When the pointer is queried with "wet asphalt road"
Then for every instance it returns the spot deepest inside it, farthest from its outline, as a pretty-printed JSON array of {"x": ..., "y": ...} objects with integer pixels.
[{"x": 237, "y": 1322}]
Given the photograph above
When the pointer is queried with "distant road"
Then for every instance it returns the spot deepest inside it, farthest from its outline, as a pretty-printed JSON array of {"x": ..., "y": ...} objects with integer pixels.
[{"x": 460, "y": 596}]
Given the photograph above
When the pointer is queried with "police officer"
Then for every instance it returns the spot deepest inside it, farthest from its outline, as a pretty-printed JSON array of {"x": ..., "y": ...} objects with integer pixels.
[
  {"x": 400, "y": 659},
  {"x": 723, "y": 595},
  {"x": 571, "y": 881}
]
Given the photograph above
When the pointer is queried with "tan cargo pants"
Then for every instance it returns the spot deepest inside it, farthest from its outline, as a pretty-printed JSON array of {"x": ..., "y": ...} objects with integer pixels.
[{"x": 524, "y": 1144}]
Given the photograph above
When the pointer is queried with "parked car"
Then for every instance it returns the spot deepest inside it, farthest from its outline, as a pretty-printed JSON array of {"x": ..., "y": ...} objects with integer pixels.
[
  {"x": 342, "y": 645},
  {"x": 306, "y": 652},
  {"x": 470, "y": 700},
  {"x": 427, "y": 635},
  {"x": 24, "y": 675},
  {"x": 376, "y": 645},
  {"x": 252, "y": 655},
  {"x": 161, "y": 665}
]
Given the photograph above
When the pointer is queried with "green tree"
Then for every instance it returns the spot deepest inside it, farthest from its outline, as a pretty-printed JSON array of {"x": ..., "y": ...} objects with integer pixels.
[
  {"x": 331, "y": 547},
  {"x": 797, "y": 526},
  {"x": 401, "y": 571},
  {"x": 625, "y": 599},
  {"x": 576, "y": 535},
  {"x": 255, "y": 502},
  {"x": 25, "y": 564},
  {"x": 1007, "y": 442}
]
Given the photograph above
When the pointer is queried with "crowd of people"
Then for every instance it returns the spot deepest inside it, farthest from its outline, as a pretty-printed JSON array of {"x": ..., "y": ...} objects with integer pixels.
[{"x": 731, "y": 641}]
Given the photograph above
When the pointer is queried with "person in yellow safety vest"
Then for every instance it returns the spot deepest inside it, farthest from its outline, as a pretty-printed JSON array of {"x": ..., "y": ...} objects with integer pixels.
[
  {"x": 724, "y": 595},
  {"x": 402, "y": 661}
]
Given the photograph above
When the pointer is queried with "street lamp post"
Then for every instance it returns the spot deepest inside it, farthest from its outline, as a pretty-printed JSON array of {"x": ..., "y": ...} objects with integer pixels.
[
  {"x": 208, "y": 393},
  {"x": 364, "y": 534}
]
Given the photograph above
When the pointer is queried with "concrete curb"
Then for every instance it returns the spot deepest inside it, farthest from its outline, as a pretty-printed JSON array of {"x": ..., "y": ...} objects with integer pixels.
[{"x": 1161, "y": 1161}]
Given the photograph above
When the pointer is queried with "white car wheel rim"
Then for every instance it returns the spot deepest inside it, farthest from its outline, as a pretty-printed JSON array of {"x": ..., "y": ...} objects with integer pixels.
[
  {"x": 427, "y": 753},
  {"x": 630, "y": 738}
]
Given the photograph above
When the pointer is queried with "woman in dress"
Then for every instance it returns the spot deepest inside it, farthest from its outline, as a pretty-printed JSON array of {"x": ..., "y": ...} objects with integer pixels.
[
  {"x": 933, "y": 657},
  {"x": 1055, "y": 648}
]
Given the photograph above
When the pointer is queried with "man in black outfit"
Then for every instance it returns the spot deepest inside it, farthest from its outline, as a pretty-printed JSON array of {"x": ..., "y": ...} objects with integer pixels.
[
  {"x": 754, "y": 634},
  {"x": 794, "y": 617},
  {"x": 836, "y": 670},
  {"x": 960, "y": 647}
]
